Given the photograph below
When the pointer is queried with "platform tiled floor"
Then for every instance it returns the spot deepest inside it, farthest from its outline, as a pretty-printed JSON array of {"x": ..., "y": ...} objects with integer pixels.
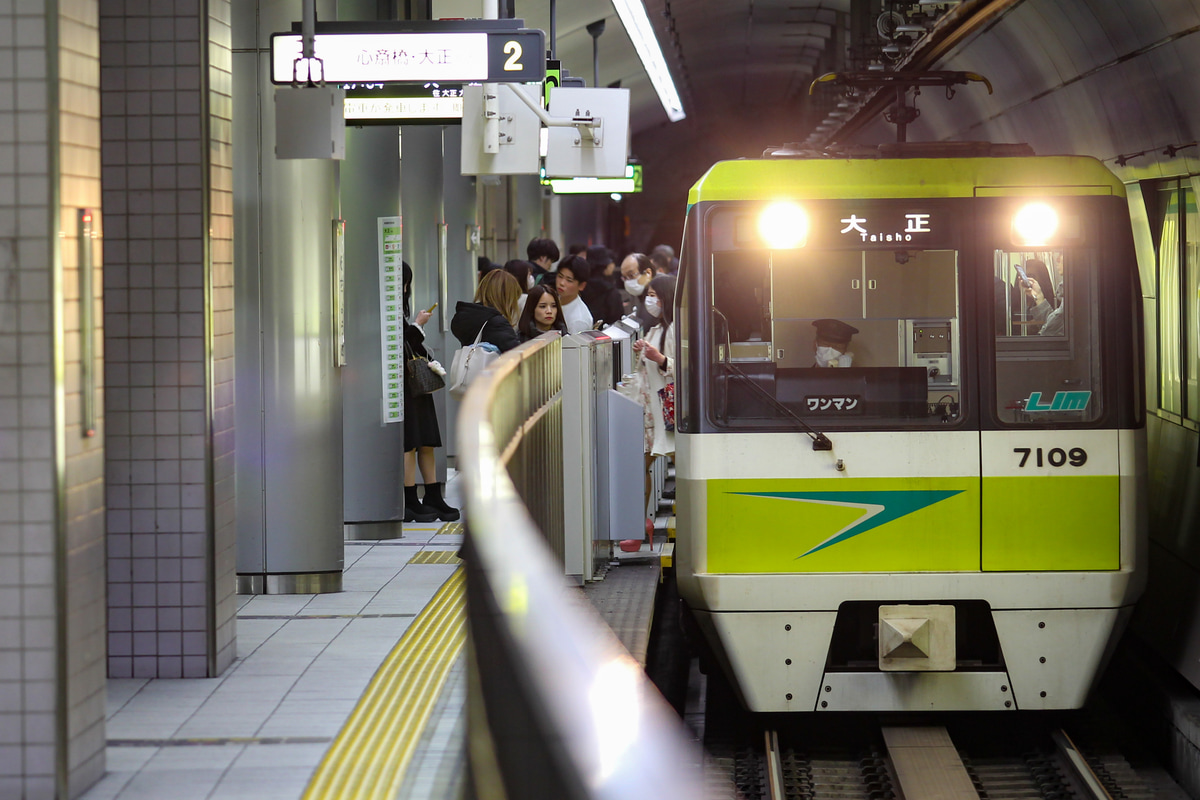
[{"x": 259, "y": 730}]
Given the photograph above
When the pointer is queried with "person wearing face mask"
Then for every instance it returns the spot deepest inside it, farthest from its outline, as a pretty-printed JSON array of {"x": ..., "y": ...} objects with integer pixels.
[
  {"x": 523, "y": 272},
  {"x": 656, "y": 367},
  {"x": 636, "y": 272},
  {"x": 542, "y": 254},
  {"x": 832, "y": 343}
]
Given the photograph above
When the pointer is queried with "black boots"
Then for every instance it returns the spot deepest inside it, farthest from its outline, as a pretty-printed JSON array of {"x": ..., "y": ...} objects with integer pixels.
[
  {"x": 415, "y": 510},
  {"x": 434, "y": 502}
]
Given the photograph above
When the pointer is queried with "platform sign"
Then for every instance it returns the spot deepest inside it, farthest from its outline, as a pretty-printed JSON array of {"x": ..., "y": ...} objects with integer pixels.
[
  {"x": 391, "y": 316},
  {"x": 553, "y": 79},
  {"x": 430, "y": 103},
  {"x": 413, "y": 57}
]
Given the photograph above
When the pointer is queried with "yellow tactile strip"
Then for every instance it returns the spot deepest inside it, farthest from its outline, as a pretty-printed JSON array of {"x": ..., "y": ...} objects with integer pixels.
[
  {"x": 452, "y": 529},
  {"x": 435, "y": 557},
  {"x": 372, "y": 751}
]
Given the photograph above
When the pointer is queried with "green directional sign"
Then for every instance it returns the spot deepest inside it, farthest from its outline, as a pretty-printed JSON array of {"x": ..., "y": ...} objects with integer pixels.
[{"x": 553, "y": 78}]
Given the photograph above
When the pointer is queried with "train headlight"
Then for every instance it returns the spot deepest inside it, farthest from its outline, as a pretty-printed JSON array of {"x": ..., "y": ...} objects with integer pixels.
[
  {"x": 783, "y": 225},
  {"x": 1035, "y": 224}
]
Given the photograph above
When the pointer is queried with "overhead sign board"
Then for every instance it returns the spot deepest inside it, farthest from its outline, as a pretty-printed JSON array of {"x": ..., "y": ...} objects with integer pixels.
[{"x": 413, "y": 57}]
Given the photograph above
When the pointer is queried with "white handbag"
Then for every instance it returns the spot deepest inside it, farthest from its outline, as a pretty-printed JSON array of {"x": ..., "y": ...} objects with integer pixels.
[{"x": 468, "y": 363}]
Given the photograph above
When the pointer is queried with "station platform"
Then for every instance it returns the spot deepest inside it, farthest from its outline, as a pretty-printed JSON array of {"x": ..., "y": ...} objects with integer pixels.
[{"x": 360, "y": 693}]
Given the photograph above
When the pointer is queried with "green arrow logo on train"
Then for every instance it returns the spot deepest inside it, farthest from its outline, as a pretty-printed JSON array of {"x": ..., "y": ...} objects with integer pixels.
[{"x": 879, "y": 508}]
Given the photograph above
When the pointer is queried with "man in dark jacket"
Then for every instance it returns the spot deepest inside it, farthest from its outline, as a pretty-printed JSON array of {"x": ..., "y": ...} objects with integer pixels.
[{"x": 601, "y": 294}]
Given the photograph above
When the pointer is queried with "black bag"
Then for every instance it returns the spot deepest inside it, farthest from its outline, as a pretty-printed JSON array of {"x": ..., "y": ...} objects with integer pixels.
[{"x": 419, "y": 377}]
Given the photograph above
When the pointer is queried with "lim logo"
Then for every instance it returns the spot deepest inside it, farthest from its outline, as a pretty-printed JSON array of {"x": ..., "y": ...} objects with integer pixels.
[{"x": 1063, "y": 401}]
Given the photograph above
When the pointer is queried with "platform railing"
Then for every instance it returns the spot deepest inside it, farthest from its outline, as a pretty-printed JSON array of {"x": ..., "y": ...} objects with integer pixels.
[{"x": 556, "y": 706}]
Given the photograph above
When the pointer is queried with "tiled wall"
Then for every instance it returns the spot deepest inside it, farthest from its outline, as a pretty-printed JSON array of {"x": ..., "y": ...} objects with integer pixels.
[
  {"x": 165, "y": 80},
  {"x": 51, "y": 475},
  {"x": 220, "y": 226}
]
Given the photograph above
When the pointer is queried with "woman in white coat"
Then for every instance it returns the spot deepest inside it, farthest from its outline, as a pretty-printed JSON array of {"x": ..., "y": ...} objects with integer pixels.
[{"x": 656, "y": 365}]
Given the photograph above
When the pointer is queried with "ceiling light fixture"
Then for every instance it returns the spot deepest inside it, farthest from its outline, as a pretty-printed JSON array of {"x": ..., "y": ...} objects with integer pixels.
[{"x": 637, "y": 25}]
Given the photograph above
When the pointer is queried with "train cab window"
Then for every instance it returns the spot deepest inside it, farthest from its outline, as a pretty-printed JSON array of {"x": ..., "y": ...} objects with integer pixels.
[
  {"x": 842, "y": 339},
  {"x": 1047, "y": 337}
]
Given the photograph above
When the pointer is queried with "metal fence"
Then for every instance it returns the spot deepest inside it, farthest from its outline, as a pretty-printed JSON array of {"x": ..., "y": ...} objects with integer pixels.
[{"x": 556, "y": 706}]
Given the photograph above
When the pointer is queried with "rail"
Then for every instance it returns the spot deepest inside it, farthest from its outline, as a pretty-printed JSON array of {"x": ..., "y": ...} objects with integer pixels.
[{"x": 556, "y": 706}]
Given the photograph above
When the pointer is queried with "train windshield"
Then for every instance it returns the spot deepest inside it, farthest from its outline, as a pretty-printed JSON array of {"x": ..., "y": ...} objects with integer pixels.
[{"x": 841, "y": 338}]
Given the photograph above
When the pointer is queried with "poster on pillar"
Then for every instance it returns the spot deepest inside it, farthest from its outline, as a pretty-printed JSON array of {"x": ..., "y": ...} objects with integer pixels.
[{"x": 391, "y": 317}]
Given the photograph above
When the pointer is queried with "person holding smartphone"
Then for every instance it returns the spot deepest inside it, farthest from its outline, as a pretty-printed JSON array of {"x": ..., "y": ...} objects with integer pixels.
[
  {"x": 1047, "y": 305},
  {"x": 421, "y": 431}
]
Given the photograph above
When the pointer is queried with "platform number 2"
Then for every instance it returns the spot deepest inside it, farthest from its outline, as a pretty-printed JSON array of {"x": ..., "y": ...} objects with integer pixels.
[
  {"x": 513, "y": 64},
  {"x": 1056, "y": 457}
]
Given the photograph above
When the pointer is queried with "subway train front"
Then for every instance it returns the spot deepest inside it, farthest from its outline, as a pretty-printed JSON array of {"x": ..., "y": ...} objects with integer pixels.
[{"x": 910, "y": 440}]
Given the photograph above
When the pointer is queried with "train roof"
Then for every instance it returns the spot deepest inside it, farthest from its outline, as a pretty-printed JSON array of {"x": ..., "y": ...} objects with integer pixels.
[{"x": 879, "y": 176}]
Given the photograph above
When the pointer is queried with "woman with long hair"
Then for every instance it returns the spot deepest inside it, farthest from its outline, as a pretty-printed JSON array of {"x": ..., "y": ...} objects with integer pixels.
[
  {"x": 656, "y": 370},
  {"x": 541, "y": 314},
  {"x": 493, "y": 312},
  {"x": 421, "y": 431}
]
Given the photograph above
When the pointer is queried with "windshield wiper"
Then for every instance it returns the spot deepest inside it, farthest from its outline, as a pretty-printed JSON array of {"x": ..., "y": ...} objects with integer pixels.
[{"x": 820, "y": 440}]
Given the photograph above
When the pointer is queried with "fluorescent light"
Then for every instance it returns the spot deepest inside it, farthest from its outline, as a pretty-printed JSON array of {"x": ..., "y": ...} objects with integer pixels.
[
  {"x": 630, "y": 184},
  {"x": 637, "y": 25}
]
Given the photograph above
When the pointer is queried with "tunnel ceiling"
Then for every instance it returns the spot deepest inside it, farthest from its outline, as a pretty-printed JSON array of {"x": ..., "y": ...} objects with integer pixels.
[{"x": 1108, "y": 78}]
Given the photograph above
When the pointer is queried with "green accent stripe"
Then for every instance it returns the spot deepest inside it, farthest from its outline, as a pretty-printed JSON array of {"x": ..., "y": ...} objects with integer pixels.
[
  {"x": 877, "y": 525},
  {"x": 1051, "y": 523},
  {"x": 909, "y": 177}
]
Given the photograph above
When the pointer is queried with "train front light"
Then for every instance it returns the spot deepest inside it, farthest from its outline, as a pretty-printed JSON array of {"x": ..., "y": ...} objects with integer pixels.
[
  {"x": 783, "y": 225},
  {"x": 1035, "y": 224}
]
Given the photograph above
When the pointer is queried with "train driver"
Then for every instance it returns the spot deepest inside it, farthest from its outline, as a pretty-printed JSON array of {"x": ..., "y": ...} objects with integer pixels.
[{"x": 832, "y": 343}]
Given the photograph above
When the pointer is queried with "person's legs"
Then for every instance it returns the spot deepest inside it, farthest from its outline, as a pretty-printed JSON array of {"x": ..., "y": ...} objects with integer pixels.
[
  {"x": 427, "y": 463},
  {"x": 414, "y": 509},
  {"x": 410, "y": 468},
  {"x": 433, "y": 490}
]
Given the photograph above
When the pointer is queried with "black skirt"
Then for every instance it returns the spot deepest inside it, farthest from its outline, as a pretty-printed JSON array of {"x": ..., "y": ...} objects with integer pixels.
[{"x": 420, "y": 422}]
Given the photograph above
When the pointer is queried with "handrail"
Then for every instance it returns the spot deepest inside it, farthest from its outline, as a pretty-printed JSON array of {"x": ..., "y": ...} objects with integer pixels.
[{"x": 556, "y": 706}]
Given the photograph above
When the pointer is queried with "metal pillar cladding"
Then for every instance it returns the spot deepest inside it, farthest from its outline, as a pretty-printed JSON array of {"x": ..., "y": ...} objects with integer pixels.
[
  {"x": 426, "y": 242},
  {"x": 587, "y": 370},
  {"x": 622, "y": 486},
  {"x": 288, "y": 394},
  {"x": 462, "y": 234},
  {"x": 373, "y": 452}
]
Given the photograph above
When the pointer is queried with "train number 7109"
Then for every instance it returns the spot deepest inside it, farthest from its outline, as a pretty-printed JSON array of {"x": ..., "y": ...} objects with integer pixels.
[{"x": 1056, "y": 457}]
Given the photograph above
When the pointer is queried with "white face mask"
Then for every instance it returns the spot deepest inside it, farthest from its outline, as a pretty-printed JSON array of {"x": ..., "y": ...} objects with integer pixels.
[
  {"x": 634, "y": 288},
  {"x": 529, "y": 282},
  {"x": 827, "y": 354},
  {"x": 652, "y": 307}
]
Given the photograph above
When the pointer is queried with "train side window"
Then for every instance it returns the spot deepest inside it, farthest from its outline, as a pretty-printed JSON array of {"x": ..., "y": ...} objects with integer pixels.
[
  {"x": 1047, "y": 337},
  {"x": 1177, "y": 298}
]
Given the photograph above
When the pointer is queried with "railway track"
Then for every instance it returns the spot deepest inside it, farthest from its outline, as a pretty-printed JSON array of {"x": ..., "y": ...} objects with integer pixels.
[{"x": 1080, "y": 756}]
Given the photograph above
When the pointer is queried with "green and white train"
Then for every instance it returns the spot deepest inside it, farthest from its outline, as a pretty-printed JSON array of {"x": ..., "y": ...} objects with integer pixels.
[{"x": 955, "y": 521}]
